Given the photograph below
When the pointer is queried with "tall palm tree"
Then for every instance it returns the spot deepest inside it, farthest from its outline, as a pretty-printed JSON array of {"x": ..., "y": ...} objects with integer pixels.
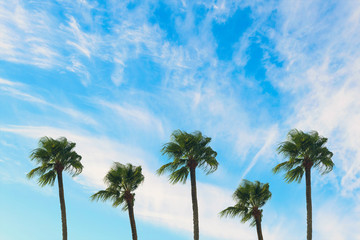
[
  {"x": 304, "y": 151},
  {"x": 249, "y": 198},
  {"x": 188, "y": 152},
  {"x": 55, "y": 156},
  {"x": 122, "y": 181}
]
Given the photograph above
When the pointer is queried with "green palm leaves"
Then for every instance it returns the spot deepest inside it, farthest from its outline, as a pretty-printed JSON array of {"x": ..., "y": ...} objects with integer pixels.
[
  {"x": 122, "y": 181},
  {"x": 303, "y": 151},
  {"x": 249, "y": 198},
  {"x": 55, "y": 156},
  {"x": 188, "y": 151}
]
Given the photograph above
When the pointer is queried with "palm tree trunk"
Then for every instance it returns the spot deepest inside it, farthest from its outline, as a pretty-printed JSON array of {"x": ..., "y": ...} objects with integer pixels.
[
  {"x": 258, "y": 228},
  {"x": 308, "y": 202},
  {"x": 132, "y": 220},
  {"x": 62, "y": 205},
  {"x": 194, "y": 203}
]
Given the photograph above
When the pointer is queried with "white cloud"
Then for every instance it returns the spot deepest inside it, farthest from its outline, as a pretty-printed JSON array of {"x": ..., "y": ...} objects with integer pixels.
[
  {"x": 21, "y": 91},
  {"x": 269, "y": 139},
  {"x": 134, "y": 115},
  {"x": 85, "y": 43},
  {"x": 29, "y": 34},
  {"x": 334, "y": 221},
  {"x": 77, "y": 67},
  {"x": 9, "y": 83},
  {"x": 25, "y": 36},
  {"x": 22, "y": 95}
]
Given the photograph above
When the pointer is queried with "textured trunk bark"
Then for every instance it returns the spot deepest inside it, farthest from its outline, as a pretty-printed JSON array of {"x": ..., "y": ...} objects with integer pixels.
[
  {"x": 130, "y": 204},
  {"x": 258, "y": 228},
  {"x": 132, "y": 220},
  {"x": 308, "y": 202},
  {"x": 62, "y": 205},
  {"x": 194, "y": 203}
]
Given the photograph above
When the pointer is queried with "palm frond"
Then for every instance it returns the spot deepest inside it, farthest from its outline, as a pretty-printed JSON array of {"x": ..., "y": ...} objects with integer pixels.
[
  {"x": 232, "y": 211},
  {"x": 185, "y": 150},
  {"x": 295, "y": 174},
  {"x": 54, "y": 155},
  {"x": 47, "y": 178},
  {"x": 281, "y": 167},
  {"x": 179, "y": 175},
  {"x": 105, "y": 195},
  {"x": 121, "y": 180},
  {"x": 74, "y": 166},
  {"x": 120, "y": 201},
  {"x": 248, "y": 196},
  {"x": 38, "y": 171},
  {"x": 248, "y": 217},
  {"x": 169, "y": 167},
  {"x": 303, "y": 149}
]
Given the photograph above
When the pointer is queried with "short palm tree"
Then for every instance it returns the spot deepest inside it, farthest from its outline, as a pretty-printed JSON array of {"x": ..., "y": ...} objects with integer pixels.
[
  {"x": 122, "y": 181},
  {"x": 249, "y": 198},
  {"x": 188, "y": 152},
  {"x": 304, "y": 151},
  {"x": 55, "y": 156}
]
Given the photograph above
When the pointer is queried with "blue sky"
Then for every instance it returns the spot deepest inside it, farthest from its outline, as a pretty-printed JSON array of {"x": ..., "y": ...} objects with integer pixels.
[{"x": 117, "y": 77}]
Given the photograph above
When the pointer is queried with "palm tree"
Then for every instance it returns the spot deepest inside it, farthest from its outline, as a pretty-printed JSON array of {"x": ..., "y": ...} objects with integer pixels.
[
  {"x": 189, "y": 151},
  {"x": 249, "y": 197},
  {"x": 122, "y": 181},
  {"x": 54, "y": 156},
  {"x": 304, "y": 151}
]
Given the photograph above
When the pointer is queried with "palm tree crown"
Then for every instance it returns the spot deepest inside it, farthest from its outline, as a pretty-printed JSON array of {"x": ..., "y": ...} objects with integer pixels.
[
  {"x": 188, "y": 151},
  {"x": 122, "y": 181},
  {"x": 304, "y": 151},
  {"x": 54, "y": 156},
  {"x": 249, "y": 198}
]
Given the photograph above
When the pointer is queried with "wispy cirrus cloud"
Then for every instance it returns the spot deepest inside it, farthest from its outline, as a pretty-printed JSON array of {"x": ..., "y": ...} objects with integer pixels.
[
  {"x": 9, "y": 83},
  {"x": 321, "y": 72},
  {"x": 134, "y": 115},
  {"x": 25, "y": 35},
  {"x": 333, "y": 224},
  {"x": 30, "y": 34},
  {"x": 23, "y": 92}
]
